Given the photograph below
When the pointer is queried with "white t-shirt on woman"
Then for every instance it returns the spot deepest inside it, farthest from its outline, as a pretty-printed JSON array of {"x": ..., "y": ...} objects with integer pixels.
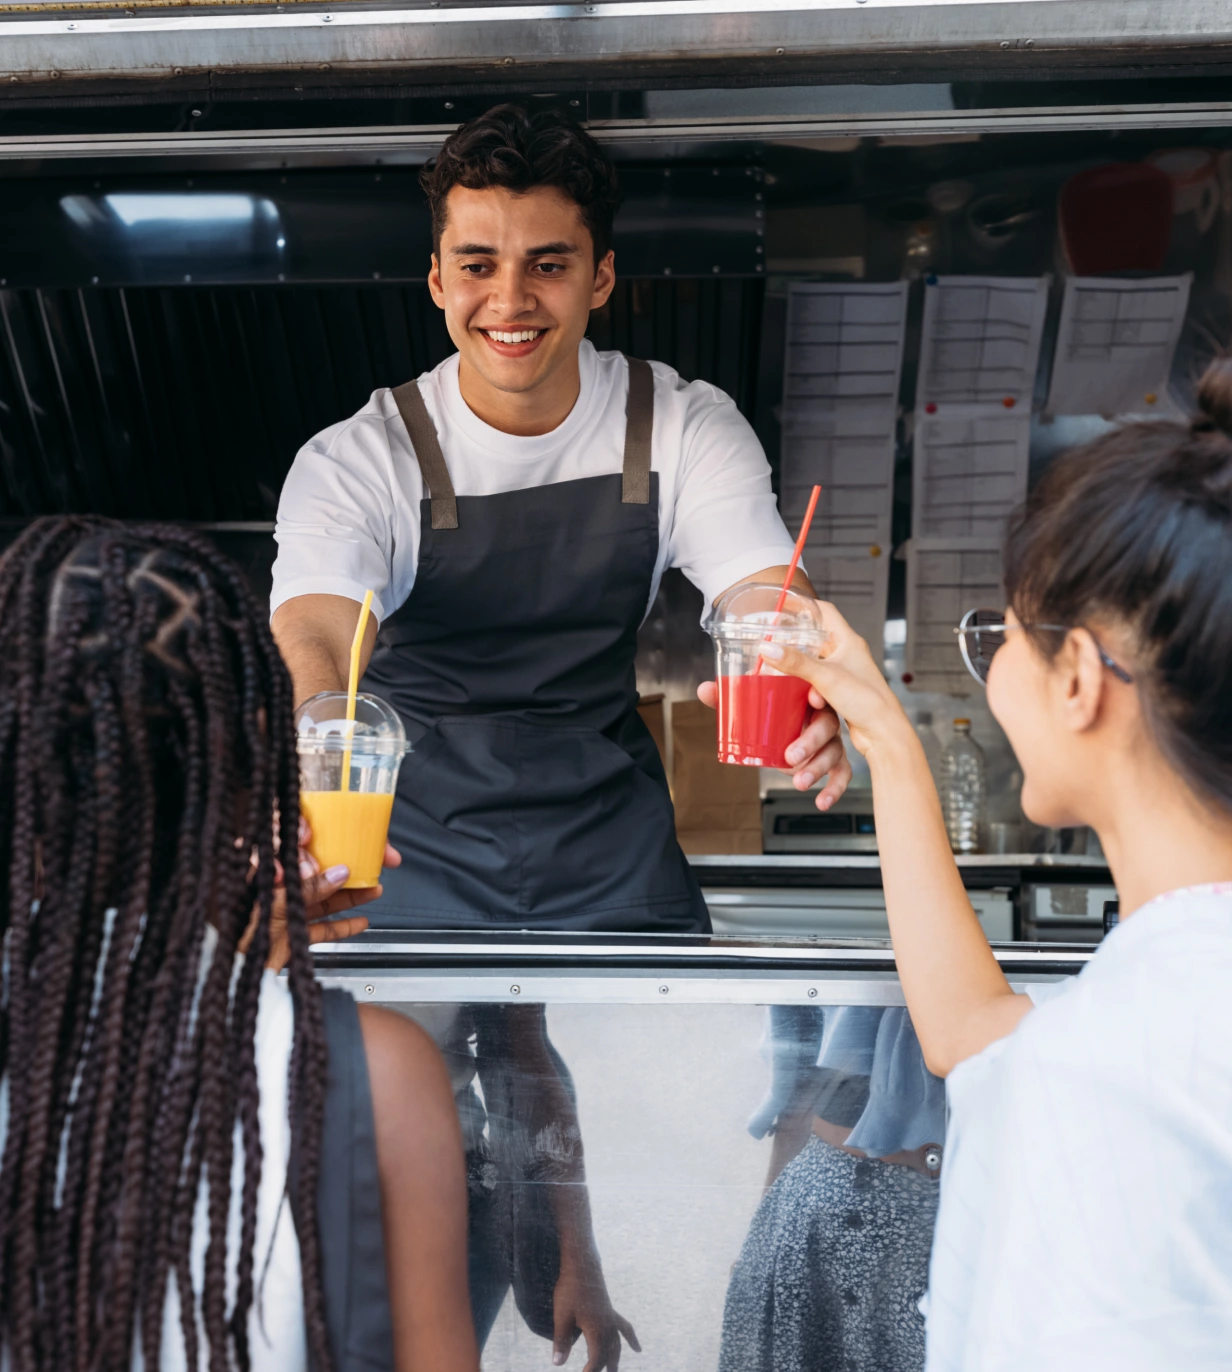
[
  {"x": 1086, "y": 1194},
  {"x": 276, "y": 1336}
]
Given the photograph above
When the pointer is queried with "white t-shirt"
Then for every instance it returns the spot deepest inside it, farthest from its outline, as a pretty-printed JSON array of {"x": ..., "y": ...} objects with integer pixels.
[
  {"x": 348, "y": 518},
  {"x": 1086, "y": 1194},
  {"x": 277, "y": 1338}
]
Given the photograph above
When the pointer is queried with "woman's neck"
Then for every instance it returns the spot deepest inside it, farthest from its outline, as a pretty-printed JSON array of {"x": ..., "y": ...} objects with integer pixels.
[{"x": 1160, "y": 837}]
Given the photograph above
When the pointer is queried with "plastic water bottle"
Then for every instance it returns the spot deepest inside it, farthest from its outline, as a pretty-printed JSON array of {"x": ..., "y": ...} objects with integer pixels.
[
  {"x": 964, "y": 789},
  {"x": 931, "y": 743}
]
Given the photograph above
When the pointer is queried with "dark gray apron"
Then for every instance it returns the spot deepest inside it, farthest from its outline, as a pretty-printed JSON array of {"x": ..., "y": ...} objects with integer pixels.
[{"x": 534, "y": 797}]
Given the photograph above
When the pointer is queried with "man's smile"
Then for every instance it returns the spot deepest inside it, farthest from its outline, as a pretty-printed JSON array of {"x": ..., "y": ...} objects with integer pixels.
[{"x": 513, "y": 342}]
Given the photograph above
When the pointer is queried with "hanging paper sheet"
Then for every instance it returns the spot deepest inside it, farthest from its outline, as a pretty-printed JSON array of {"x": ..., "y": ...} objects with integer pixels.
[
  {"x": 1115, "y": 344},
  {"x": 981, "y": 341},
  {"x": 969, "y": 471},
  {"x": 946, "y": 578}
]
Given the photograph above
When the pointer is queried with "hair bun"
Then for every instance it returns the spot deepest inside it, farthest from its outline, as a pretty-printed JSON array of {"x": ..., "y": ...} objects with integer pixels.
[{"x": 1215, "y": 397}]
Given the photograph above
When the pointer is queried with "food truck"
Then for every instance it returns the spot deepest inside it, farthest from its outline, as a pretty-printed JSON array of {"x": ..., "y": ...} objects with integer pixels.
[{"x": 923, "y": 246}]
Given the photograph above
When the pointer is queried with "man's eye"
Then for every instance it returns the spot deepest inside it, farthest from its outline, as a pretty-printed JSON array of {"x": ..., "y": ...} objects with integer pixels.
[{"x": 551, "y": 268}]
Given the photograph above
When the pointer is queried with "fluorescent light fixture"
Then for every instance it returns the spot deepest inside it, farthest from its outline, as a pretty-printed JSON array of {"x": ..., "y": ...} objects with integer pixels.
[{"x": 142, "y": 207}]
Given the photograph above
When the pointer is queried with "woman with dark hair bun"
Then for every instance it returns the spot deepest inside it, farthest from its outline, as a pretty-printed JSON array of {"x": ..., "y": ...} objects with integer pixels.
[
  {"x": 164, "y": 1091},
  {"x": 1086, "y": 1199}
]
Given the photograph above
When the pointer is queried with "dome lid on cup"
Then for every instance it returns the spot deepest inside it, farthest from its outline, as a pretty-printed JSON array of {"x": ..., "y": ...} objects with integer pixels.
[
  {"x": 321, "y": 726},
  {"x": 747, "y": 611}
]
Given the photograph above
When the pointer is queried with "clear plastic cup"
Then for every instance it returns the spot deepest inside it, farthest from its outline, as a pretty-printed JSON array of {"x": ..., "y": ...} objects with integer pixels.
[
  {"x": 761, "y": 711},
  {"x": 349, "y": 825}
]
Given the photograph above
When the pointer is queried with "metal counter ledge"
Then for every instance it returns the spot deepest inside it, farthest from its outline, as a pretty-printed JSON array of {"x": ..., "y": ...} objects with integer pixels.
[{"x": 414, "y": 966}]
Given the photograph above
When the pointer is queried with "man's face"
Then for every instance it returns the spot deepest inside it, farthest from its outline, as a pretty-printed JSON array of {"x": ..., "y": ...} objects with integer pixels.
[{"x": 517, "y": 280}]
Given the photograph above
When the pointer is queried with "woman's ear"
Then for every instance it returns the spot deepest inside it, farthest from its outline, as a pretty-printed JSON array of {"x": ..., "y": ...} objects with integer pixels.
[{"x": 1081, "y": 681}]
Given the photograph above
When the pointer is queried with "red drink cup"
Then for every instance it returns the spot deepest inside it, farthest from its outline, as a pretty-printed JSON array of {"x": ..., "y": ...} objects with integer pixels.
[{"x": 761, "y": 711}]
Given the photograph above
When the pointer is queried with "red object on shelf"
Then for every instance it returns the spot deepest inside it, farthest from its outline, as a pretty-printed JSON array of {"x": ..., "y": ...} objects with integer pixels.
[
  {"x": 1116, "y": 218},
  {"x": 930, "y": 408},
  {"x": 1009, "y": 402}
]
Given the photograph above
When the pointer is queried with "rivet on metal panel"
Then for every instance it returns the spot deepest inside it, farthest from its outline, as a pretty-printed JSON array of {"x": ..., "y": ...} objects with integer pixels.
[
  {"x": 779, "y": 51},
  {"x": 449, "y": 104},
  {"x": 4, "y": 281},
  {"x": 376, "y": 276},
  {"x": 508, "y": 62},
  {"x": 196, "y": 114},
  {"x": 369, "y": 990},
  {"x": 667, "y": 271},
  {"x": 663, "y": 990},
  {"x": 13, "y": 79},
  {"x": 177, "y": 71},
  {"x": 932, "y": 1159},
  {"x": 187, "y": 276},
  {"x": 575, "y": 103},
  {"x": 94, "y": 281},
  {"x": 324, "y": 66},
  {"x": 1028, "y": 43},
  {"x": 72, "y": 26},
  {"x": 1005, "y": 42},
  {"x": 327, "y": 19},
  {"x": 759, "y": 267},
  {"x": 715, "y": 269},
  {"x": 812, "y": 993},
  {"x": 55, "y": 75},
  {"x": 282, "y": 276},
  {"x": 515, "y": 990}
]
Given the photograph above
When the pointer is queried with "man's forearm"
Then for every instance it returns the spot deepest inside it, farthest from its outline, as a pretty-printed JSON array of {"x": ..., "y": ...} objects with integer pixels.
[
  {"x": 312, "y": 666},
  {"x": 314, "y": 634}
]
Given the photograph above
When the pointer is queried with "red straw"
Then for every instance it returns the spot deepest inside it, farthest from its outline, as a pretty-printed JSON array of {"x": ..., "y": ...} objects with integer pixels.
[{"x": 795, "y": 562}]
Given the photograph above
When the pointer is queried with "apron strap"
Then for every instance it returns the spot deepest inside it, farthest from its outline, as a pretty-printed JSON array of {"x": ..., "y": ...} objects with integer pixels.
[
  {"x": 428, "y": 453},
  {"x": 639, "y": 422}
]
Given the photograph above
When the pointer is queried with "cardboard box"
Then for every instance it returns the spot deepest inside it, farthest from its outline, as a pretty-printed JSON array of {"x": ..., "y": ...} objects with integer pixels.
[{"x": 718, "y": 806}]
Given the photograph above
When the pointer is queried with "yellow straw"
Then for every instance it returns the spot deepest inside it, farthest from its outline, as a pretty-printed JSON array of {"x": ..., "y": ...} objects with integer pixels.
[{"x": 353, "y": 684}]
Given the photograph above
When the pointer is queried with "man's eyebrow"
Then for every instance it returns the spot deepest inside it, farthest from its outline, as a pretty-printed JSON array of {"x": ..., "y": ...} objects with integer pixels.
[
  {"x": 473, "y": 250},
  {"x": 559, "y": 249}
]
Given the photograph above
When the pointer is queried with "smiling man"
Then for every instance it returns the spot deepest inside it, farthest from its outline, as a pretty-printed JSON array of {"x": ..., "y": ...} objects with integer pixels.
[{"x": 514, "y": 510}]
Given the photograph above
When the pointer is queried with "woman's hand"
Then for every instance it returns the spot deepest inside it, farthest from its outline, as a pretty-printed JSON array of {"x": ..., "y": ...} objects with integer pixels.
[
  {"x": 324, "y": 898},
  {"x": 846, "y": 678}
]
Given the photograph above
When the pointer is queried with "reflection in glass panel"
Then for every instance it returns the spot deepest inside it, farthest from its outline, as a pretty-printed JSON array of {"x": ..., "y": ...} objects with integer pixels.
[{"x": 747, "y": 1189}]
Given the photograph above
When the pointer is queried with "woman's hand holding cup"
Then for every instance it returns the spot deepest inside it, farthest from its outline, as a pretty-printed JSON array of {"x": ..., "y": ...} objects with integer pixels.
[{"x": 846, "y": 678}]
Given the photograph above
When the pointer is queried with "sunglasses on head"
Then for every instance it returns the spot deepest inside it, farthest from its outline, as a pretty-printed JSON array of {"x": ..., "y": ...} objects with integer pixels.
[{"x": 982, "y": 632}]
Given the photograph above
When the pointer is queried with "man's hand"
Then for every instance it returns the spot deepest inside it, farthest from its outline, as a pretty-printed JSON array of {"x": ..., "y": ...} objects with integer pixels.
[
  {"x": 324, "y": 898},
  {"x": 581, "y": 1306},
  {"x": 819, "y": 749}
]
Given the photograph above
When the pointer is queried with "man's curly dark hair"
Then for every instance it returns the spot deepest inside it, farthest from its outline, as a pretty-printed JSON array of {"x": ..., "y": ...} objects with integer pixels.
[{"x": 511, "y": 148}]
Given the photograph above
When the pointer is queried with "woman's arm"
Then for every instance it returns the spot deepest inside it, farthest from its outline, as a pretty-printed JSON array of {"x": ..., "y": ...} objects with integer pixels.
[
  {"x": 423, "y": 1195},
  {"x": 958, "y": 996}
]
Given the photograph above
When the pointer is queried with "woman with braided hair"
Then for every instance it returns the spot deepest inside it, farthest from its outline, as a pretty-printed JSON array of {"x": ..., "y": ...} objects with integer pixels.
[{"x": 193, "y": 1173}]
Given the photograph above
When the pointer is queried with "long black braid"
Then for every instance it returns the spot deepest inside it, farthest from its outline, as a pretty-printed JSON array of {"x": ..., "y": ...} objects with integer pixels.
[{"x": 147, "y": 770}]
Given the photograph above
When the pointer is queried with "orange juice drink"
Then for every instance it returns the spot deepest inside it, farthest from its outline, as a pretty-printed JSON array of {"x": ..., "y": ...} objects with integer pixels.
[
  {"x": 350, "y": 751},
  {"x": 348, "y": 827}
]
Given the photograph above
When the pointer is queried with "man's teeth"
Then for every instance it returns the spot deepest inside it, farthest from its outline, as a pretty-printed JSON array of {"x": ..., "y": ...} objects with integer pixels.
[{"x": 516, "y": 336}]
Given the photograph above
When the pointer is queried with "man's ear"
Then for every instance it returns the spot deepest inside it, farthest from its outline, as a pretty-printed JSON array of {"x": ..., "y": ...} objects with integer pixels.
[
  {"x": 435, "y": 287},
  {"x": 605, "y": 280}
]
